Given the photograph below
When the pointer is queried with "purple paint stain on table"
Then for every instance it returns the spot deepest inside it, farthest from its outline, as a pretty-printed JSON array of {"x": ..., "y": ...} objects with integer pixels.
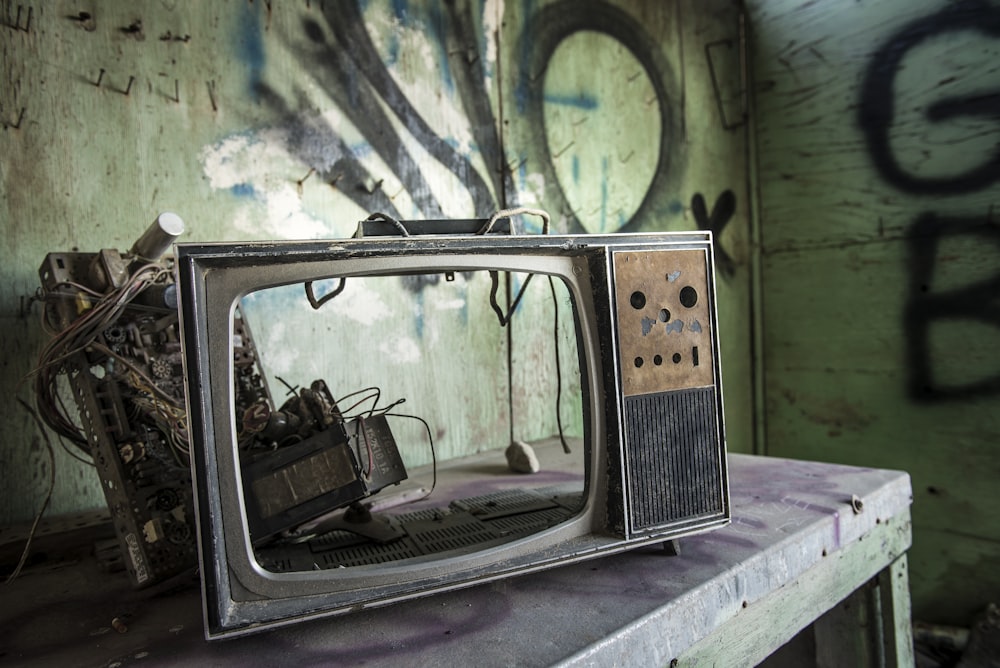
[
  {"x": 803, "y": 479},
  {"x": 416, "y": 627}
]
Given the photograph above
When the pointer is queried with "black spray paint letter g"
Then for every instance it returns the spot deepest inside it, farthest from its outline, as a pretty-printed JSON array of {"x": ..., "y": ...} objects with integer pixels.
[{"x": 877, "y": 108}]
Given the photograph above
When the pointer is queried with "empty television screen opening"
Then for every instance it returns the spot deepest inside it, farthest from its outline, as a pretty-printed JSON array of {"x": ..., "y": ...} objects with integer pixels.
[{"x": 384, "y": 418}]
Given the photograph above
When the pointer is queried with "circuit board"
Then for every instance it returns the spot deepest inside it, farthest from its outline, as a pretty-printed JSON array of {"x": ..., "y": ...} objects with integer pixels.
[{"x": 115, "y": 339}]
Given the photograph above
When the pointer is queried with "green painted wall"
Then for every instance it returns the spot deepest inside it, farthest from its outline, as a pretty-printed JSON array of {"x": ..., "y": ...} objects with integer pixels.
[
  {"x": 878, "y": 146},
  {"x": 260, "y": 120}
]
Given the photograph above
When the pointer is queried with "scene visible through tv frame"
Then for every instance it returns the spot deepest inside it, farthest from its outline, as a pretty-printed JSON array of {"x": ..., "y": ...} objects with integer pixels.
[{"x": 315, "y": 500}]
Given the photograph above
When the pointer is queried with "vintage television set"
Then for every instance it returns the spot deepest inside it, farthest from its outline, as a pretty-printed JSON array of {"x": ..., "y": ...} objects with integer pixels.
[{"x": 651, "y": 465}]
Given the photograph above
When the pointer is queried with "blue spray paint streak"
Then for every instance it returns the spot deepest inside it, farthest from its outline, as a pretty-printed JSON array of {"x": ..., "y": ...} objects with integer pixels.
[
  {"x": 433, "y": 24},
  {"x": 244, "y": 190},
  {"x": 576, "y": 169},
  {"x": 393, "y": 56},
  {"x": 361, "y": 149},
  {"x": 250, "y": 46},
  {"x": 439, "y": 28},
  {"x": 579, "y": 101},
  {"x": 418, "y": 314},
  {"x": 399, "y": 10},
  {"x": 487, "y": 67},
  {"x": 455, "y": 144},
  {"x": 521, "y": 89}
]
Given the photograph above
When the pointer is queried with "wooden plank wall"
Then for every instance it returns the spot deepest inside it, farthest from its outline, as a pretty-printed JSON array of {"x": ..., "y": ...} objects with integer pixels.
[
  {"x": 260, "y": 120},
  {"x": 879, "y": 180}
]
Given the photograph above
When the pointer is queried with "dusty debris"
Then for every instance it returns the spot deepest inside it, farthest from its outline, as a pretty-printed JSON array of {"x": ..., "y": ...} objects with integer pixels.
[{"x": 521, "y": 458}]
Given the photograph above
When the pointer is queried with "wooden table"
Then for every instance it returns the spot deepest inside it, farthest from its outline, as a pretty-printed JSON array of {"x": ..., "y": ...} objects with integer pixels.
[{"x": 811, "y": 546}]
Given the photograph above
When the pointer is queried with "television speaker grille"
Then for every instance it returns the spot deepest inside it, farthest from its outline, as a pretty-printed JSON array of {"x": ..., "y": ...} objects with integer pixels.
[{"x": 673, "y": 458}]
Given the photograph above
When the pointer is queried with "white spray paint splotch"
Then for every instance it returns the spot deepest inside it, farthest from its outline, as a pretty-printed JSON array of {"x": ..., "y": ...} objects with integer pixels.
[
  {"x": 492, "y": 20},
  {"x": 257, "y": 168}
]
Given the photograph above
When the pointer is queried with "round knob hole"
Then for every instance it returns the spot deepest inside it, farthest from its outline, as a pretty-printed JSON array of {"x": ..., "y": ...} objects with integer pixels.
[{"x": 689, "y": 296}]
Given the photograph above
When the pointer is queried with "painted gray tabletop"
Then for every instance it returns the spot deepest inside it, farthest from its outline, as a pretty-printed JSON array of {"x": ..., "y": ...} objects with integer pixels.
[{"x": 791, "y": 521}]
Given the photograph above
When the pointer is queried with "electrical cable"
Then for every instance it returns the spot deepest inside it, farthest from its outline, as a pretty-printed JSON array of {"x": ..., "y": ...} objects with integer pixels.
[
  {"x": 494, "y": 276},
  {"x": 149, "y": 386},
  {"x": 375, "y": 395},
  {"x": 378, "y": 215},
  {"x": 430, "y": 440},
  {"x": 375, "y": 410},
  {"x": 317, "y": 302},
  {"x": 505, "y": 319},
  {"x": 494, "y": 287},
  {"x": 292, "y": 389},
  {"x": 48, "y": 496},
  {"x": 368, "y": 444},
  {"x": 78, "y": 286},
  {"x": 559, "y": 424},
  {"x": 385, "y": 410},
  {"x": 65, "y": 353},
  {"x": 507, "y": 213},
  {"x": 73, "y": 454},
  {"x": 370, "y": 388}
]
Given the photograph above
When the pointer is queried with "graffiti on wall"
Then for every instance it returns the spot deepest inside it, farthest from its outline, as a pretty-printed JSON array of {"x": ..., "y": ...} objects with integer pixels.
[
  {"x": 543, "y": 31},
  {"x": 973, "y": 302},
  {"x": 344, "y": 60},
  {"x": 972, "y": 115},
  {"x": 355, "y": 64}
]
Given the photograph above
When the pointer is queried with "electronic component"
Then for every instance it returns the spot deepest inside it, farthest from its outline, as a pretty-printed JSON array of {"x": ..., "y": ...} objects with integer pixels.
[
  {"x": 114, "y": 324},
  {"x": 115, "y": 337},
  {"x": 336, "y": 465}
]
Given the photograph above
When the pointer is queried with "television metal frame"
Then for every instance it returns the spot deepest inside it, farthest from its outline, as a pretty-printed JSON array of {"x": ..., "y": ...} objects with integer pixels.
[{"x": 239, "y": 596}]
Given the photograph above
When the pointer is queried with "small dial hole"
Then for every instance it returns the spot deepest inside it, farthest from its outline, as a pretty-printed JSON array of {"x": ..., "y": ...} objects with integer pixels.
[{"x": 676, "y": 358}]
